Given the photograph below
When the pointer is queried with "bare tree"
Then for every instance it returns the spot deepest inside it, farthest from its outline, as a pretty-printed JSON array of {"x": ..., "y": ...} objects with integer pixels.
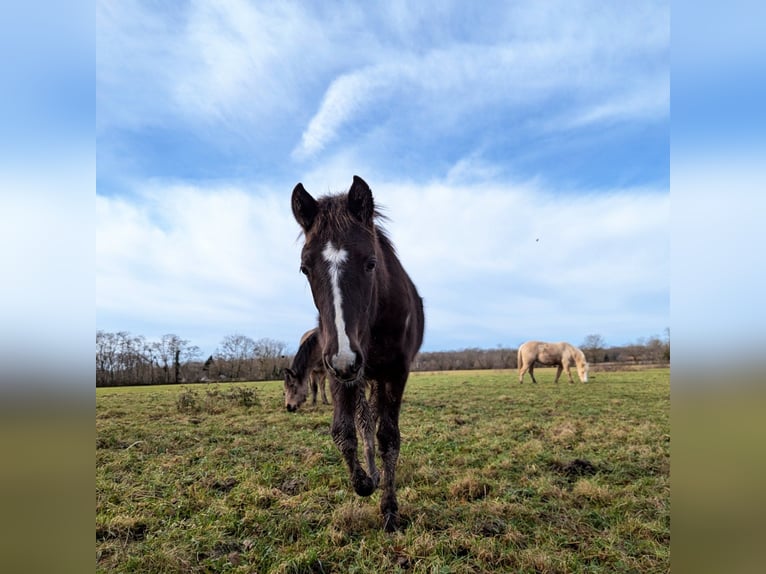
[
  {"x": 593, "y": 346},
  {"x": 106, "y": 358},
  {"x": 124, "y": 359},
  {"x": 235, "y": 354},
  {"x": 268, "y": 356},
  {"x": 167, "y": 352}
]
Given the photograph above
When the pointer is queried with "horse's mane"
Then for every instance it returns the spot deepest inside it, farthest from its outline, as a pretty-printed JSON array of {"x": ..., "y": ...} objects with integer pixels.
[
  {"x": 333, "y": 213},
  {"x": 577, "y": 352},
  {"x": 303, "y": 357}
]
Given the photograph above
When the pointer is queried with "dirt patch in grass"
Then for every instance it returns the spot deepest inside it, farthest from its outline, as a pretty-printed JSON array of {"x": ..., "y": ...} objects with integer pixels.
[
  {"x": 293, "y": 486},
  {"x": 222, "y": 485},
  {"x": 574, "y": 469},
  {"x": 126, "y": 529}
]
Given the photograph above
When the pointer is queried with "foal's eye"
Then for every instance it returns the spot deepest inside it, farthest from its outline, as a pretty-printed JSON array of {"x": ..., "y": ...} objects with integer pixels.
[
  {"x": 371, "y": 263},
  {"x": 304, "y": 270}
]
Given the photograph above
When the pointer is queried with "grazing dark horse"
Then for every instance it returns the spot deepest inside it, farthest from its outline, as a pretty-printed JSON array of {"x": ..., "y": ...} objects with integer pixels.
[
  {"x": 370, "y": 328},
  {"x": 561, "y": 355},
  {"x": 307, "y": 371}
]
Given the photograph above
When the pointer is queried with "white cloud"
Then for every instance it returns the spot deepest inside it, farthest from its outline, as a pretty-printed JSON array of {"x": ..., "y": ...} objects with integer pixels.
[
  {"x": 503, "y": 253},
  {"x": 345, "y": 97},
  {"x": 198, "y": 258},
  {"x": 492, "y": 261}
]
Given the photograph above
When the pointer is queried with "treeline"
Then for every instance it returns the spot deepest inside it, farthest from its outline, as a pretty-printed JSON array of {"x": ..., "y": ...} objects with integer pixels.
[{"x": 125, "y": 359}]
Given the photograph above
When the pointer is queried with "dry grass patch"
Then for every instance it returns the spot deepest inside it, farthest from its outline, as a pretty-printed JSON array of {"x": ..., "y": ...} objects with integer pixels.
[
  {"x": 469, "y": 488},
  {"x": 589, "y": 490},
  {"x": 564, "y": 432}
]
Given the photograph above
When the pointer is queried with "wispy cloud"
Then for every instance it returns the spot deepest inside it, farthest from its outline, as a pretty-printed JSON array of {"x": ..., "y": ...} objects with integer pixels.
[
  {"x": 347, "y": 96},
  {"x": 204, "y": 63},
  {"x": 246, "y": 65},
  {"x": 452, "y": 81}
]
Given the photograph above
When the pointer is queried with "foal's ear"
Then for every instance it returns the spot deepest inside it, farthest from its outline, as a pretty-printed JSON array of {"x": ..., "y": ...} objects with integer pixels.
[
  {"x": 360, "y": 202},
  {"x": 304, "y": 207}
]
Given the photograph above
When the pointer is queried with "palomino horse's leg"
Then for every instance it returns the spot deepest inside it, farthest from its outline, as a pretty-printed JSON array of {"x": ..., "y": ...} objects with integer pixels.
[
  {"x": 559, "y": 368},
  {"x": 389, "y": 401},
  {"x": 569, "y": 373},
  {"x": 365, "y": 424},
  {"x": 522, "y": 369},
  {"x": 344, "y": 433},
  {"x": 532, "y": 372}
]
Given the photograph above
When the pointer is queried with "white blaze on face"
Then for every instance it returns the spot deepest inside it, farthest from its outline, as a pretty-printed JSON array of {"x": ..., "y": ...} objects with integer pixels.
[{"x": 335, "y": 259}]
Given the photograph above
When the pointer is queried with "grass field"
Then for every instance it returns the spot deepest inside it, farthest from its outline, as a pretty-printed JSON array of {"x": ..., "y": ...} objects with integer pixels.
[{"x": 493, "y": 476}]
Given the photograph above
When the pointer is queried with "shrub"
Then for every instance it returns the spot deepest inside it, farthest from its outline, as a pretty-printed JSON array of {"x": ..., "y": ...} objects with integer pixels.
[{"x": 215, "y": 400}]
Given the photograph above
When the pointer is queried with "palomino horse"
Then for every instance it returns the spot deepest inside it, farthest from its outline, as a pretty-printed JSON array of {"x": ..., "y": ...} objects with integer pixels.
[
  {"x": 370, "y": 328},
  {"x": 307, "y": 371},
  {"x": 562, "y": 355}
]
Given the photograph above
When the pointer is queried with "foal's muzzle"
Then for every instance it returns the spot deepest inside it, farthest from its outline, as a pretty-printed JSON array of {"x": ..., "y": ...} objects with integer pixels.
[{"x": 348, "y": 374}]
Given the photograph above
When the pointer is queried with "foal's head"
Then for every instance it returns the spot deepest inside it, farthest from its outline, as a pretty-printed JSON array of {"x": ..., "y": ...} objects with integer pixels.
[
  {"x": 340, "y": 258},
  {"x": 296, "y": 390}
]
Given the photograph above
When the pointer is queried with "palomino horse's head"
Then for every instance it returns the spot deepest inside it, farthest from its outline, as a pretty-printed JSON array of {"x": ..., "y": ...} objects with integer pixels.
[
  {"x": 296, "y": 390},
  {"x": 341, "y": 260},
  {"x": 582, "y": 367}
]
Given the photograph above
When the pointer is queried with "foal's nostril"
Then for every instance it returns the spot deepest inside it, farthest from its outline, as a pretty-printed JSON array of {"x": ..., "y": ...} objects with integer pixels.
[
  {"x": 291, "y": 408},
  {"x": 350, "y": 372}
]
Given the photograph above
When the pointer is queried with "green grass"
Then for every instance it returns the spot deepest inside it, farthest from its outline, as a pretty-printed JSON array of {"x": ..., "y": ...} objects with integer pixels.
[{"x": 493, "y": 476}]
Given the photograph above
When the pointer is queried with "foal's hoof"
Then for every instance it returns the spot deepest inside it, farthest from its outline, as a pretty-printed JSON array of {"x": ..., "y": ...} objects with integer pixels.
[
  {"x": 363, "y": 484},
  {"x": 391, "y": 522},
  {"x": 390, "y": 511}
]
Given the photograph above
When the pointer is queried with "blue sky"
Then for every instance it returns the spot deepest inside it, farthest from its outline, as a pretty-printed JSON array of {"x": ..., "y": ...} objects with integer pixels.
[{"x": 521, "y": 154}]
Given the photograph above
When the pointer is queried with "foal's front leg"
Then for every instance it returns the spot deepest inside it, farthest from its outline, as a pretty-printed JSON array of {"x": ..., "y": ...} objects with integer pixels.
[
  {"x": 365, "y": 424},
  {"x": 345, "y": 399},
  {"x": 388, "y": 404}
]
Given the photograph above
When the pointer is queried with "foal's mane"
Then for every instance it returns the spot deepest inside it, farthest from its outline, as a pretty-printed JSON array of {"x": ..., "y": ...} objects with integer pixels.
[{"x": 333, "y": 213}]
